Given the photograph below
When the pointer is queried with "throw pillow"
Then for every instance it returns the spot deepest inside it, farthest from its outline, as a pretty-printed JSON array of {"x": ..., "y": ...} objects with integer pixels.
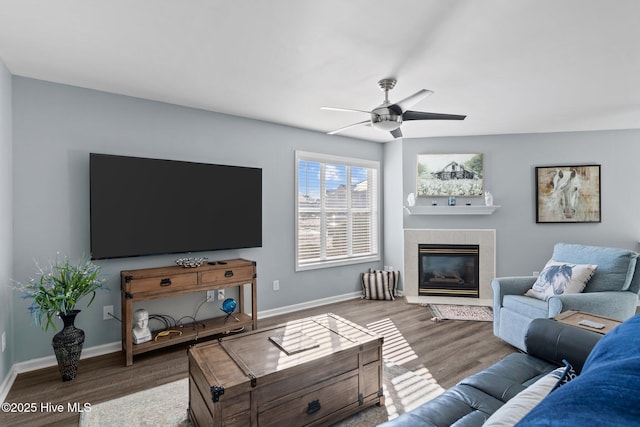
[
  {"x": 519, "y": 405},
  {"x": 393, "y": 278},
  {"x": 566, "y": 374},
  {"x": 376, "y": 286},
  {"x": 559, "y": 278}
]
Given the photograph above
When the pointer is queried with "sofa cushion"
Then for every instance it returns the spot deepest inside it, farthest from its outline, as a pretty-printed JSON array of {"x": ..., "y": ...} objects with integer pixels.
[
  {"x": 456, "y": 406},
  {"x": 461, "y": 405},
  {"x": 559, "y": 278},
  {"x": 615, "y": 266},
  {"x": 605, "y": 392},
  {"x": 509, "y": 376}
]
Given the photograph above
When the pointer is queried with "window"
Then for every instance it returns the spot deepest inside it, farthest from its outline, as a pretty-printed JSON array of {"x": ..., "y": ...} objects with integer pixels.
[{"x": 336, "y": 210}]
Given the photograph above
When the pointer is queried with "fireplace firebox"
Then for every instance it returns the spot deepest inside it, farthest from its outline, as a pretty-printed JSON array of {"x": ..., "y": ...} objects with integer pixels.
[{"x": 448, "y": 270}]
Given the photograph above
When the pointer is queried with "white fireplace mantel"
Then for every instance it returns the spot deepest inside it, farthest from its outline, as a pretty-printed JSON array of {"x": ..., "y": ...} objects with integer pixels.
[
  {"x": 484, "y": 238},
  {"x": 451, "y": 210}
]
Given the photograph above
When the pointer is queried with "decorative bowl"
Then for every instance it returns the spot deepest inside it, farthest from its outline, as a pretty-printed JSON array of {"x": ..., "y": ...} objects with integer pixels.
[{"x": 190, "y": 262}]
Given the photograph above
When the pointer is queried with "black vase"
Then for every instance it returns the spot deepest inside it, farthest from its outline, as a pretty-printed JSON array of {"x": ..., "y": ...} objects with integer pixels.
[{"x": 67, "y": 345}]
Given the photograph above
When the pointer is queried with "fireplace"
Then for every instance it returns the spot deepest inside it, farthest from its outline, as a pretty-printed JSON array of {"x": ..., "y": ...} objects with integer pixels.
[
  {"x": 414, "y": 237},
  {"x": 448, "y": 270}
]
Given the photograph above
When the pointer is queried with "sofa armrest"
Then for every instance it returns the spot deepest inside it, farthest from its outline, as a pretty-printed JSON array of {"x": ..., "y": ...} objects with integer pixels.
[
  {"x": 516, "y": 285},
  {"x": 619, "y": 305},
  {"x": 554, "y": 341}
]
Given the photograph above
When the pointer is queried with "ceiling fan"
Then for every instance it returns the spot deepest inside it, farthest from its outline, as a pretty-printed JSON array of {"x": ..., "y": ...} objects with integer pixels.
[{"x": 389, "y": 116}]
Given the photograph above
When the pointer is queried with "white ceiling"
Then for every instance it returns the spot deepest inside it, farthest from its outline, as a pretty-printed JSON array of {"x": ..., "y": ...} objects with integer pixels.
[{"x": 512, "y": 66}]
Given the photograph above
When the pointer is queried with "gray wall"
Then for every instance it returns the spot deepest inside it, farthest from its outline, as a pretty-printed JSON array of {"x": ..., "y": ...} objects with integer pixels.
[
  {"x": 56, "y": 126},
  {"x": 55, "y": 129},
  {"x": 509, "y": 164},
  {"x": 6, "y": 254}
]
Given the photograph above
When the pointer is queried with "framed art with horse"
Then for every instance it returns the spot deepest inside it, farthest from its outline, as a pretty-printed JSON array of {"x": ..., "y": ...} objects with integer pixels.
[{"x": 568, "y": 194}]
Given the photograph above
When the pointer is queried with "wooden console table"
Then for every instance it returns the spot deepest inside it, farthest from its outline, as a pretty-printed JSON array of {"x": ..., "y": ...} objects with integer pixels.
[
  {"x": 312, "y": 371},
  {"x": 164, "y": 282}
]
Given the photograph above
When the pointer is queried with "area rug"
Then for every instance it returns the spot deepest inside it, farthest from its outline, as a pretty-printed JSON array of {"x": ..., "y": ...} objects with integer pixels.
[
  {"x": 460, "y": 312},
  {"x": 166, "y": 405}
]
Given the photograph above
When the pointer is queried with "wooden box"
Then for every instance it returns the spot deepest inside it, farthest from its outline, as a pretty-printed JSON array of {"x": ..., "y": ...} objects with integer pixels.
[{"x": 312, "y": 371}]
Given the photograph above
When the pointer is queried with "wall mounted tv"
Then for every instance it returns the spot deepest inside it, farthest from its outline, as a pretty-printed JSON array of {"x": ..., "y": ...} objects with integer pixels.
[{"x": 143, "y": 206}]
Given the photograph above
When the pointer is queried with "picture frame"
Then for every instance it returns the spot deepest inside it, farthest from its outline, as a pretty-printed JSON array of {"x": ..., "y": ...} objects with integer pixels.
[
  {"x": 450, "y": 175},
  {"x": 568, "y": 194}
]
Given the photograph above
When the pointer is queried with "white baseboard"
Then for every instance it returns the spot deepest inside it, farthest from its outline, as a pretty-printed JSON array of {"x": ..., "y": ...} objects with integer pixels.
[
  {"x": 99, "y": 350},
  {"x": 7, "y": 383},
  {"x": 45, "y": 362},
  {"x": 309, "y": 304}
]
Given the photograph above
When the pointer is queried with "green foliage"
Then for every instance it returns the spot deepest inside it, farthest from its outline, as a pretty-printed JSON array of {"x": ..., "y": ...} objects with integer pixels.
[
  {"x": 475, "y": 164},
  {"x": 423, "y": 170},
  {"x": 58, "y": 288}
]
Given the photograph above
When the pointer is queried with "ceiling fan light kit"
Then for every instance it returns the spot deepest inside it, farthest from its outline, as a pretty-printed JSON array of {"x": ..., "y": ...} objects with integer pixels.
[{"x": 389, "y": 116}]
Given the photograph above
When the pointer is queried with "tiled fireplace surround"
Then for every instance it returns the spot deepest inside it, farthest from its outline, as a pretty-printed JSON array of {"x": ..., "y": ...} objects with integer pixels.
[{"x": 485, "y": 238}]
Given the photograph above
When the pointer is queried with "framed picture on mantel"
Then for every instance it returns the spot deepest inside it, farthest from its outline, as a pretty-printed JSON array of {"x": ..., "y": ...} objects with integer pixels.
[
  {"x": 450, "y": 175},
  {"x": 568, "y": 194}
]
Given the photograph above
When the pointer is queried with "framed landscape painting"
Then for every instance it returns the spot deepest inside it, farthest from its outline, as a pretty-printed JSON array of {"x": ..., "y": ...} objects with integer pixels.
[
  {"x": 450, "y": 175},
  {"x": 568, "y": 194}
]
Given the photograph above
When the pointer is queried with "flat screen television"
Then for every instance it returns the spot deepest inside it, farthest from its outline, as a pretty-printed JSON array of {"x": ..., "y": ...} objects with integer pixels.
[{"x": 142, "y": 206}]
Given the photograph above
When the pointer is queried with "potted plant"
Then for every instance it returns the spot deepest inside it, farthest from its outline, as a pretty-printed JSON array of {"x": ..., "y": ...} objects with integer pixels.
[{"x": 56, "y": 291}]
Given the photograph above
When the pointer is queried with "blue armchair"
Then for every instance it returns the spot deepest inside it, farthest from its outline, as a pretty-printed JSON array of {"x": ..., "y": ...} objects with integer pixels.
[{"x": 612, "y": 291}]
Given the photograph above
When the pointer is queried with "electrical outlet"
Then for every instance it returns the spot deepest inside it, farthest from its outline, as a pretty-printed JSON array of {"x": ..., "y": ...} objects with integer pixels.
[
  {"x": 276, "y": 285},
  {"x": 107, "y": 311},
  {"x": 221, "y": 294},
  {"x": 4, "y": 341},
  {"x": 536, "y": 273},
  {"x": 211, "y": 296}
]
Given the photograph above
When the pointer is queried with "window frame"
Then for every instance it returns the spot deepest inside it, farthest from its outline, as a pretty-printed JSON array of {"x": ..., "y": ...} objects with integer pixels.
[{"x": 375, "y": 210}]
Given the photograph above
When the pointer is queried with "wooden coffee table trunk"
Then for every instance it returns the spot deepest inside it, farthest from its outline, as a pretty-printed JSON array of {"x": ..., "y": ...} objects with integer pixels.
[{"x": 321, "y": 370}]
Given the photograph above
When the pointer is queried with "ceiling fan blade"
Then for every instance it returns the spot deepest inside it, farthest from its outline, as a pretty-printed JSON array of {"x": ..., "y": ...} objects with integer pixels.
[
  {"x": 412, "y": 100},
  {"x": 396, "y": 133},
  {"x": 421, "y": 115},
  {"x": 349, "y": 110},
  {"x": 366, "y": 122}
]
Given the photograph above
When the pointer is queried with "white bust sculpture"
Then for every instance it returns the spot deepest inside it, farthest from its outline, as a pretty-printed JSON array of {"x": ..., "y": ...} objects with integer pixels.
[
  {"x": 488, "y": 198},
  {"x": 141, "y": 332},
  {"x": 411, "y": 200}
]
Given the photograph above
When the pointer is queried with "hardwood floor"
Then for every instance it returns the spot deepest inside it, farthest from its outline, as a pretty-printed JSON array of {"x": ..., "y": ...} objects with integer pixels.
[{"x": 447, "y": 351}]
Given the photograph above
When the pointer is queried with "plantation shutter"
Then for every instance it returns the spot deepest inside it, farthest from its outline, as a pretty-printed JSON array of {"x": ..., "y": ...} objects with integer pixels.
[{"x": 336, "y": 210}]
